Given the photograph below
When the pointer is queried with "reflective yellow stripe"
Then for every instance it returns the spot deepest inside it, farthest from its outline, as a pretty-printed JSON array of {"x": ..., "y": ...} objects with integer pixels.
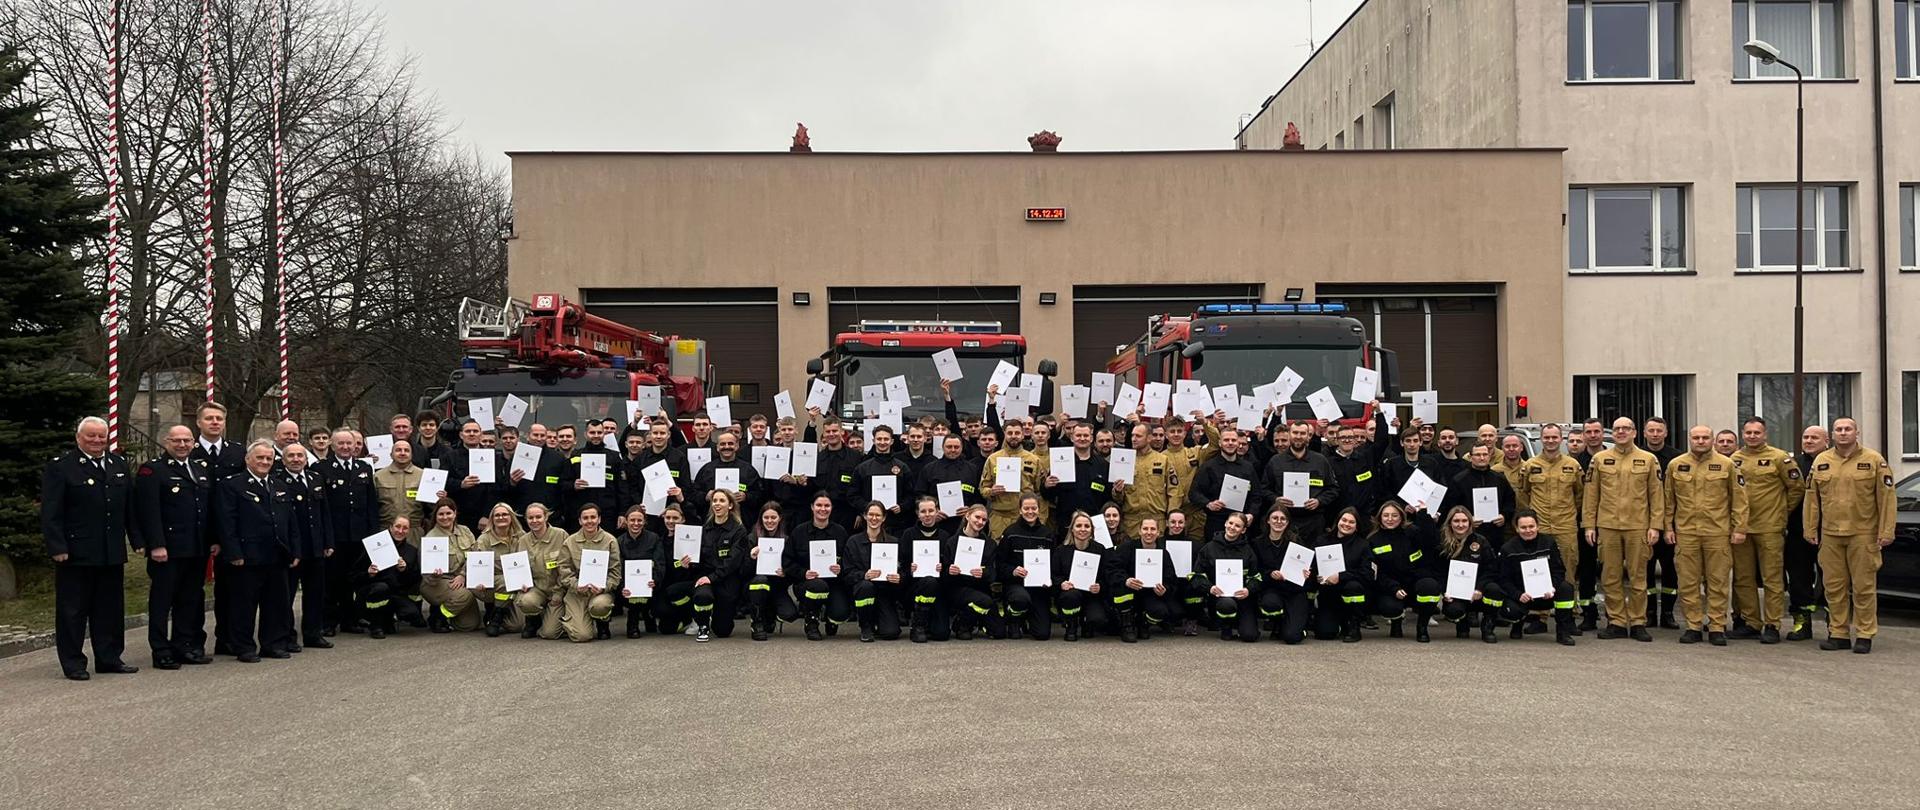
[
  {"x": 1382, "y": 549},
  {"x": 846, "y": 479},
  {"x": 502, "y": 597},
  {"x": 1353, "y": 600},
  {"x": 445, "y": 612},
  {"x": 967, "y": 488},
  {"x": 1123, "y": 599},
  {"x": 553, "y": 564},
  {"x": 553, "y": 479},
  {"x": 1365, "y": 476},
  {"x": 412, "y": 494},
  {"x": 1567, "y": 605},
  {"x": 574, "y": 460},
  {"x": 1069, "y": 611},
  {"x": 682, "y": 600},
  {"x": 923, "y": 600},
  {"x": 1415, "y": 556},
  {"x": 860, "y": 603},
  {"x": 759, "y": 586},
  {"x": 1266, "y": 612},
  {"x": 1426, "y": 599},
  {"x": 815, "y": 595},
  {"x": 375, "y": 605},
  {"x": 1492, "y": 602},
  {"x": 1316, "y": 482},
  {"x": 979, "y": 608}
]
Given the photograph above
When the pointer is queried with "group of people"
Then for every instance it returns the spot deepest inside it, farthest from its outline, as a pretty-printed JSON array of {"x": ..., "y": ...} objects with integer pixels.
[{"x": 1728, "y": 526}]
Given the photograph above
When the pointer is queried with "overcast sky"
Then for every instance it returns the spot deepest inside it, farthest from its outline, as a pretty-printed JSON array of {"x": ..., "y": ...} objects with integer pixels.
[{"x": 903, "y": 76}]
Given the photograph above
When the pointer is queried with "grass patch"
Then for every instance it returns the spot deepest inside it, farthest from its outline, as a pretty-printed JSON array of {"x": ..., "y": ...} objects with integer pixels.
[{"x": 34, "y": 608}]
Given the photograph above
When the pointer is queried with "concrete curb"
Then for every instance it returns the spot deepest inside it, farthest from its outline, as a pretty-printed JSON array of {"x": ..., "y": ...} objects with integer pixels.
[{"x": 43, "y": 640}]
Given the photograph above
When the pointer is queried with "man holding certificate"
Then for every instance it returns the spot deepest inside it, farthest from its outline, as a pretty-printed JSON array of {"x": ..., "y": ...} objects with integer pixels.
[
  {"x": 1210, "y": 483},
  {"x": 1532, "y": 572},
  {"x": 1309, "y": 505},
  {"x": 589, "y": 576},
  {"x": 1004, "y": 491},
  {"x": 1079, "y": 483}
]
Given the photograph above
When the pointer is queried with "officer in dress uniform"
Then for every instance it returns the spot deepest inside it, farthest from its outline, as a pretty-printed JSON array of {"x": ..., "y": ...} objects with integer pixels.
[
  {"x": 83, "y": 521},
  {"x": 224, "y": 458},
  {"x": 312, "y": 546},
  {"x": 170, "y": 495},
  {"x": 256, "y": 517},
  {"x": 353, "y": 512}
]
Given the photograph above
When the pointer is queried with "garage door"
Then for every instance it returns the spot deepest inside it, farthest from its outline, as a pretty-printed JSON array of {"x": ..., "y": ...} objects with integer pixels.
[
  {"x": 1447, "y": 337},
  {"x": 741, "y": 326},
  {"x": 847, "y": 306},
  {"x": 1105, "y": 316}
]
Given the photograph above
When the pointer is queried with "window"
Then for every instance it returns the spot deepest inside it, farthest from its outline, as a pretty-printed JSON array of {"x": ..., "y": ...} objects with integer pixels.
[
  {"x": 1906, "y": 32},
  {"x": 1824, "y": 398},
  {"x": 1612, "y": 228},
  {"x": 1908, "y": 234},
  {"x": 1637, "y": 398},
  {"x": 1910, "y": 413},
  {"x": 1763, "y": 227},
  {"x": 1623, "y": 39},
  {"x": 1340, "y": 140},
  {"x": 1383, "y": 136},
  {"x": 1809, "y": 33}
]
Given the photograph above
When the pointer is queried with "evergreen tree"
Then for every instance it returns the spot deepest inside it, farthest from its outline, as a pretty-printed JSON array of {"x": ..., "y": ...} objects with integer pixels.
[{"x": 45, "y": 309}]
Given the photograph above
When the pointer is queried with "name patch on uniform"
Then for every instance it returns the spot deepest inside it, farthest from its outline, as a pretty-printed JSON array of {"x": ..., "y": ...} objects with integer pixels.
[
  {"x": 1608, "y": 462},
  {"x": 1639, "y": 462},
  {"x": 1686, "y": 468},
  {"x": 1365, "y": 476},
  {"x": 1713, "y": 467},
  {"x": 1766, "y": 462},
  {"x": 1096, "y": 486},
  {"x": 1863, "y": 466},
  {"x": 1823, "y": 466}
]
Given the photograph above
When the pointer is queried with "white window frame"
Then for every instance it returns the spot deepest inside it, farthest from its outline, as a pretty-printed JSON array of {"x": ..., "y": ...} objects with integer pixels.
[
  {"x": 1910, "y": 414},
  {"x": 1913, "y": 42},
  {"x": 1817, "y": 262},
  {"x": 1815, "y": 379},
  {"x": 1811, "y": 71},
  {"x": 1910, "y": 220},
  {"x": 1659, "y": 391},
  {"x": 1653, "y": 46},
  {"x": 1593, "y": 266},
  {"x": 1384, "y": 122}
]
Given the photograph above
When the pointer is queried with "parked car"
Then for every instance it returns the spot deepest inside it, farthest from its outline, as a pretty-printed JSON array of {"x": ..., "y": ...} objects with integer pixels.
[{"x": 1900, "y": 562}]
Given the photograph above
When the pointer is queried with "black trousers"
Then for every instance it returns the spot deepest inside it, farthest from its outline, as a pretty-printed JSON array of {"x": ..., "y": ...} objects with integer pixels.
[
  {"x": 1805, "y": 592},
  {"x": 342, "y": 607},
  {"x": 818, "y": 596},
  {"x": 1241, "y": 614},
  {"x": 770, "y": 601},
  {"x": 89, "y": 598},
  {"x": 1589, "y": 571},
  {"x": 969, "y": 603},
  {"x": 1089, "y": 608},
  {"x": 1336, "y": 604},
  {"x": 1668, "y": 582},
  {"x": 256, "y": 602},
  {"x": 1028, "y": 605},
  {"x": 873, "y": 602},
  {"x": 176, "y": 606},
  {"x": 310, "y": 579},
  {"x": 1285, "y": 605}
]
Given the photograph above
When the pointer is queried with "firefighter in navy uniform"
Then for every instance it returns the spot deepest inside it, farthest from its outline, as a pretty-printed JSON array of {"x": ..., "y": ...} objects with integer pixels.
[
  {"x": 1309, "y": 519},
  {"x": 1529, "y": 544},
  {"x": 224, "y": 458},
  {"x": 353, "y": 513},
  {"x": 83, "y": 521},
  {"x": 256, "y": 518},
  {"x": 1663, "y": 589},
  {"x": 170, "y": 497},
  {"x": 1805, "y": 594},
  {"x": 312, "y": 546}
]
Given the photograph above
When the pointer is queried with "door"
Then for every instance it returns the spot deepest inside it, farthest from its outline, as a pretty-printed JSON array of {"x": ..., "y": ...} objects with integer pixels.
[{"x": 741, "y": 326}]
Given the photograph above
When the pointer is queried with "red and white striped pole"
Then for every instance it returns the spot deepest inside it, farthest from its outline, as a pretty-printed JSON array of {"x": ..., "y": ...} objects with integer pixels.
[
  {"x": 278, "y": 57},
  {"x": 113, "y": 224},
  {"x": 206, "y": 177}
]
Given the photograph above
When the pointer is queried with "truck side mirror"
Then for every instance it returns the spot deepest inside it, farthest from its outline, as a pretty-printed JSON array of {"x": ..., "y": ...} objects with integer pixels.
[
  {"x": 1194, "y": 353},
  {"x": 1388, "y": 362},
  {"x": 1048, "y": 368},
  {"x": 815, "y": 366}
]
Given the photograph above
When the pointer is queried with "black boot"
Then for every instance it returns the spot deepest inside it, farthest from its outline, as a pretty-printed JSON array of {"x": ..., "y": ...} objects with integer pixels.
[
  {"x": 1563, "y": 633},
  {"x": 633, "y": 624},
  {"x": 1518, "y": 631},
  {"x": 1589, "y": 619},
  {"x": 1128, "y": 629},
  {"x": 600, "y": 629},
  {"x": 532, "y": 630},
  {"x": 496, "y": 621},
  {"x": 1666, "y": 611},
  {"x": 813, "y": 629},
  {"x": 1351, "y": 633},
  {"x": 1487, "y": 627},
  {"x": 1394, "y": 629},
  {"x": 1653, "y": 609},
  {"x": 760, "y": 631},
  {"x": 1143, "y": 628},
  {"x": 918, "y": 632},
  {"x": 1420, "y": 630},
  {"x": 1073, "y": 628},
  {"x": 437, "y": 622},
  {"x": 1463, "y": 628}
]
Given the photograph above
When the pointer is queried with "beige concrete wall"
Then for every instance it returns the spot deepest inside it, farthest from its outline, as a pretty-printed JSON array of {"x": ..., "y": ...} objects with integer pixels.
[
  {"x": 1450, "y": 70},
  {"x": 807, "y": 222}
]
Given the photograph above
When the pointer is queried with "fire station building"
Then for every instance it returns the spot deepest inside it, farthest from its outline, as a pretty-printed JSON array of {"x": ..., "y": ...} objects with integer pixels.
[{"x": 1452, "y": 258}]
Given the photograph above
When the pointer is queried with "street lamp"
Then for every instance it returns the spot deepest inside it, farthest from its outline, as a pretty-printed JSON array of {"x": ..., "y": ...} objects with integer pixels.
[{"x": 1769, "y": 55}]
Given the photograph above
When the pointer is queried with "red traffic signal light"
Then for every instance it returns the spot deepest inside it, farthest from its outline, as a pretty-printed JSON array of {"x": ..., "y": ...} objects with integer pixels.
[{"x": 1519, "y": 407}]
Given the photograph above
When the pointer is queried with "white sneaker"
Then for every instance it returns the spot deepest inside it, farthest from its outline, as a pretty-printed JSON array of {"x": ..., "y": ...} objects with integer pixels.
[{"x": 692, "y": 630}]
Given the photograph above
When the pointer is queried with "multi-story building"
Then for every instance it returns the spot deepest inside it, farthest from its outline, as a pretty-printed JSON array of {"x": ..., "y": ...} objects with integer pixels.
[{"x": 1679, "y": 174}]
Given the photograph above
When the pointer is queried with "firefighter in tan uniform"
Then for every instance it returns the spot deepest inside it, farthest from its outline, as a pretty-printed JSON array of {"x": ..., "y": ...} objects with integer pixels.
[
  {"x": 1774, "y": 488},
  {"x": 1004, "y": 505},
  {"x": 1706, "y": 519},
  {"x": 396, "y": 485},
  {"x": 1510, "y": 465},
  {"x": 586, "y": 605},
  {"x": 1183, "y": 462},
  {"x": 1624, "y": 509},
  {"x": 1849, "y": 508},
  {"x": 1549, "y": 484},
  {"x": 543, "y": 544},
  {"x": 1146, "y": 496}
]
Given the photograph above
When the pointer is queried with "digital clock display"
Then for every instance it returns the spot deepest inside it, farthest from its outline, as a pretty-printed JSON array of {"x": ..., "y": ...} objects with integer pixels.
[{"x": 1046, "y": 214}]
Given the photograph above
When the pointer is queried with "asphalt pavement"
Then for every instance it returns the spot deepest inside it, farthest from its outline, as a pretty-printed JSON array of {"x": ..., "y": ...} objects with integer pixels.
[{"x": 421, "y": 720}]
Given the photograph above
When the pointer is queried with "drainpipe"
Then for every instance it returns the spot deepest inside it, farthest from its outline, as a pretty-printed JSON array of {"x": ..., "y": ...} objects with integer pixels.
[{"x": 1880, "y": 231}]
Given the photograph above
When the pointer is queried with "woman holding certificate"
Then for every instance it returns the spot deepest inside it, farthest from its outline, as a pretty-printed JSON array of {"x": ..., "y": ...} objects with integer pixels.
[
  {"x": 1228, "y": 572},
  {"x": 1342, "y": 578},
  {"x": 540, "y": 604},
  {"x": 637, "y": 542},
  {"x": 926, "y": 535},
  {"x": 1026, "y": 543},
  {"x": 1143, "y": 586},
  {"x": 443, "y": 555},
  {"x": 1535, "y": 574},
  {"x": 1406, "y": 552},
  {"x": 1284, "y": 605},
  {"x": 813, "y": 559},
  {"x": 1460, "y": 544},
  {"x": 873, "y": 563},
  {"x": 589, "y": 574},
  {"x": 382, "y": 589},
  {"x": 1079, "y": 602},
  {"x": 767, "y": 597},
  {"x": 724, "y": 546},
  {"x": 501, "y": 538},
  {"x": 968, "y": 585}
]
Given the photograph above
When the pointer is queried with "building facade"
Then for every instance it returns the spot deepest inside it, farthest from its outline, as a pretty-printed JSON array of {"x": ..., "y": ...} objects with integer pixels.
[
  {"x": 1678, "y": 189},
  {"x": 726, "y": 247}
]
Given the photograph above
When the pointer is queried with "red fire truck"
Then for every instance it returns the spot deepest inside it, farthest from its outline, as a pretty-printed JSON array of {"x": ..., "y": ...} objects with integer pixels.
[
  {"x": 872, "y": 351},
  {"x": 1249, "y": 344},
  {"x": 568, "y": 365}
]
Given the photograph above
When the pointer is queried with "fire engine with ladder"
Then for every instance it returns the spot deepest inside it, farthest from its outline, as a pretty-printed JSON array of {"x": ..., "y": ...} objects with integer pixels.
[{"x": 567, "y": 364}]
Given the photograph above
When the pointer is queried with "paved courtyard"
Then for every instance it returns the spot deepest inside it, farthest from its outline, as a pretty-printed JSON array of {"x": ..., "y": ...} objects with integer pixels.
[{"x": 465, "y": 721}]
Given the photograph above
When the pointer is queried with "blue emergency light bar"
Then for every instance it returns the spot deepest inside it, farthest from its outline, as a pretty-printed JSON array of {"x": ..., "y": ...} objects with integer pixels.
[{"x": 1271, "y": 309}]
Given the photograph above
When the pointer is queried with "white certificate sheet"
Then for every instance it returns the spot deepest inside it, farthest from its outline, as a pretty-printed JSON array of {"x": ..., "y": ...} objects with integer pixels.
[
  {"x": 432, "y": 482},
  {"x": 697, "y": 459},
  {"x": 1294, "y": 488},
  {"x": 1148, "y": 567},
  {"x": 1294, "y": 567},
  {"x": 1003, "y": 375},
  {"x": 479, "y": 569},
  {"x": 1030, "y": 383},
  {"x": 611, "y": 441},
  {"x": 512, "y": 410},
  {"x": 806, "y": 459},
  {"x": 380, "y": 550},
  {"x": 951, "y": 496},
  {"x": 1038, "y": 562},
  {"x": 820, "y": 396},
  {"x": 526, "y": 460},
  {"x": 1006, "y": 473},
  {"x": 1101, "y": 534},
  {"x": 1486, "y": 503},
  {"x": 890, "y": 415},
  {"x": 886, "y": 559},
  {"x": 593, "y": 568},
  {"x": 1180, "y": 552},
  {"x": 1227, "y": 398},
  {"x": 897, "y": 390},
  {"x": 969, "y": 553},
  {"x": 726, "y": 479},
  {"x": 1126, "y": 402},
  {"x": 481, "y": 410},
  {"x": 1060, "y": 464},
  {"x": 1085, "y": 571},
  {"x": 480, "y": 464},
  {"x": 1073, "y": 401},
  {"x": 871, "y": 396},
  {"x": 593, "y": 470},
  {"x": 1230, "y": 576},
  {"x": 1190, "y": 396},
  {"x": 659, "y": 479},
  {"x": 1155, "y": 399},
  {"x": 1426, "y": 407},
  {"x": 1104, "y": 388},
  {"x": 638, "y": 574},
  {"x": 1390, "y": 412},
  {"x": 1536, "y": 576},
  {"x": 1120, "y": 463},
  {"x": 686, "y": 542},
  {"x": 1268, "y": 396},
  {"x": 1366, "y": 384},
  {"x": 1330, "y": 559},
  {"x": 783, "y": 405},
  {"x": 1417, "y": 488},
  {"x": 380, "y": 450},
  {"x": 945, "y": 362},
  {"x": 1461, "y": 577},
  {"x": 720, "y": 411},
  {"x": 1289, "y": 382},
  {"x": 886, "y": 490},
  {"x": 768, "y": 563},
  {"x": 1233, "y": 492},
  {"x": 434, "y": 555},
  {"x": 926, "y": 558},
  {"x": 1324, "y": 404},
  {"x": 648, "y": 400},
  {"x": 775, "y": 461},
  {"x": 516, "y": 571},
  {"x": 822, "y": 555}
]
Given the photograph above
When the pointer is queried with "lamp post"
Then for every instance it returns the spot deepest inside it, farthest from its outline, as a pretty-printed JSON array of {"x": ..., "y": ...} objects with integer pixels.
[{"x": 1769, "y": 55}]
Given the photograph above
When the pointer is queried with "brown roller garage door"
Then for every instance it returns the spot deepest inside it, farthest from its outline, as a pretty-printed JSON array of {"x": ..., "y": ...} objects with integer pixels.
[
  {"x": 741, "y": 326},
  {"x": 1105, "y": 316},
  {"x": 1462, "y": 322},
  {"x": 847, "y": 306},
  {"x": 1466, "y": 349}
]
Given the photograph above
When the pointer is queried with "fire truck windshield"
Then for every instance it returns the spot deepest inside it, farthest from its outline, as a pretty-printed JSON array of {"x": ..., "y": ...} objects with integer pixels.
[
  {"x": 969, "y": 392},
  {"x": 1250, "y": 366},
  {"x": 555, "y": 402}
]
